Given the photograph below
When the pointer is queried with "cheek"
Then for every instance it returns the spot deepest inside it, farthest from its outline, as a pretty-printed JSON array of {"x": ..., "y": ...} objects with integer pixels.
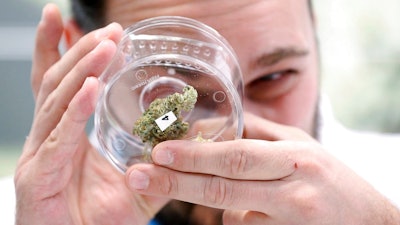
[{"x": 300, "y": 105}]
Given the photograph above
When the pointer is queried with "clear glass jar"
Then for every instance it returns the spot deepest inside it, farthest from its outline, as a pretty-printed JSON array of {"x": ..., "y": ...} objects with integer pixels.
[{"x": 158, "y": 57}]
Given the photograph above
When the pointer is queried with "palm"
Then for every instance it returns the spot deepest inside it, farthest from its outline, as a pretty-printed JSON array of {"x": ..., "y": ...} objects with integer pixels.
[
  {"x": 86, "y": 190},
  {"x": 60, "y": 178},
  {"x": 100, "y": 193}
]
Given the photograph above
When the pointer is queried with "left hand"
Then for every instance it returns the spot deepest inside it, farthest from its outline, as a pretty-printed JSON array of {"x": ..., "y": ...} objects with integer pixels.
[
  {"x": 60, "y": 177},
  {"x": 289, "y": 179}
]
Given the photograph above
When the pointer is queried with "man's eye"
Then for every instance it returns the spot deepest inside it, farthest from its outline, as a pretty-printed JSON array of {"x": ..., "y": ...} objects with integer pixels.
[
  {"x": 271, "y": 85},
  {"x": 271, "y": 77}
]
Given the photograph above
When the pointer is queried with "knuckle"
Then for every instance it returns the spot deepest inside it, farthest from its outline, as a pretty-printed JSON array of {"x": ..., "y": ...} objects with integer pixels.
[
  {"x": 236, "y": 162},
  {"x": 306, "y": 201},
  {"x": 169, "y": 185},
  {"x": 218, "y": 192},
  {"x": 314, "y": 161},
  {"x": 48, "y": 83},
  {"x": 53, "y": 137},
  {"x": 49, "y": 107}
]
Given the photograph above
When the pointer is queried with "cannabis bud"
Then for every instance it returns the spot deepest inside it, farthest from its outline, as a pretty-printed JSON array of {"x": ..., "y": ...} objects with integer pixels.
[{"x": 163, "y": 121}]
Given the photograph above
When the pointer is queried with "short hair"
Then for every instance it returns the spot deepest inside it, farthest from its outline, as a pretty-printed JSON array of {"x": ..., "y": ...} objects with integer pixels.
[{"x": 91, "y": 14}]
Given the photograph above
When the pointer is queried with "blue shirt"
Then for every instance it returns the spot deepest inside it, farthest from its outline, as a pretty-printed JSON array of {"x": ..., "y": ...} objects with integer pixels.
[{"x": 154, "y": 222}]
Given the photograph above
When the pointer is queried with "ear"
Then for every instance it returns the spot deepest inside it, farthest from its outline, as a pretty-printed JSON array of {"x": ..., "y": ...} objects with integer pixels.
[{"x": 72, "y": 33}]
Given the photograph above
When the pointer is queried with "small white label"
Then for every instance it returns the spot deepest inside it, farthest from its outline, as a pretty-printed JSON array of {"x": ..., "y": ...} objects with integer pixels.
[{"x": 164, "y": 121}]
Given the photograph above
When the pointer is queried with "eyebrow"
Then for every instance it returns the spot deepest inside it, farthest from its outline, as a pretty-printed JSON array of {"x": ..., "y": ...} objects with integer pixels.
[{"x": 280, "y": 54}]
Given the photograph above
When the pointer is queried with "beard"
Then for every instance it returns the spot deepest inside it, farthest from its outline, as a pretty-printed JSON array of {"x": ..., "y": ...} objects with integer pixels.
[{"x": 316, "y": 126}]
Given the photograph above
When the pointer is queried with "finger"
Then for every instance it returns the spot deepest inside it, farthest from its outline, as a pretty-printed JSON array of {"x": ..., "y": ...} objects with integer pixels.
[
  {"x": 56, "y": 104},
  {"x": 46, "y": 53},
  {"x": 207, "y": 127},
  {"x": 58, "y": 71},
  {"x": 60, "y": 147},
  {"x": 259, "y": 128},
  {"x": 239, "y": 159},
  {"x": 207, "y": 190},
  {"x": 240, "y": 217}
]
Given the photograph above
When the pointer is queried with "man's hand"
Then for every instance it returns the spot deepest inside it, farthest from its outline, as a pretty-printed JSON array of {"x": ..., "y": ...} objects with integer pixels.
[
  {"x": 60, "y": 177},
  {"x": 289, "y": 179}
]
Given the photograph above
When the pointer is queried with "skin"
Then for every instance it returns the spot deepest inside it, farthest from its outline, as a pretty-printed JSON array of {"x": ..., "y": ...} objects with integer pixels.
[
  {"x": 277, "y": 174},
  {"x": 275, "y": 29}
]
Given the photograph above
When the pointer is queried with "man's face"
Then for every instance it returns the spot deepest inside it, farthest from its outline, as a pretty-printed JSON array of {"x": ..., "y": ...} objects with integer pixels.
[{"x": 274, "y": 41}]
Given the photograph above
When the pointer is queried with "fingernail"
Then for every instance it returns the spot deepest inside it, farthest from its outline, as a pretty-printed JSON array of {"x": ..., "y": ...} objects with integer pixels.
[
  {"x": 103, "y": 32},
  {"x": 43, "y": 18},
  {"x": 45, "y": 11},
  {"x": 163, "y": 157},
  {"x": 139, "y": 180},
  {"x": 101, "y": 44}
]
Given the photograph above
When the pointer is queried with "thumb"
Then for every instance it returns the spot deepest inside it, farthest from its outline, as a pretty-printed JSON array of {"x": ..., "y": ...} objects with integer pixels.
[
  {"x": 239, "y": 217},
  {"x": 259, "y": 128}
]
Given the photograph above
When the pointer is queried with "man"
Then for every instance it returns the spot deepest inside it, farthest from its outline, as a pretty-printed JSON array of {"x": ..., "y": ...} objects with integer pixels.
[{"x": 277, "y": 174}]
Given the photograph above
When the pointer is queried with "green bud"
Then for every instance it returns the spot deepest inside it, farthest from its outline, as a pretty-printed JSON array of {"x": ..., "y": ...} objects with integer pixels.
[{"x": 148, "y": 130}]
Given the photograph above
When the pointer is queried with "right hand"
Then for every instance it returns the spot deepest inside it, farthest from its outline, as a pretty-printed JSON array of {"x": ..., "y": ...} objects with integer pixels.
[{"x": 60, "y": 177}]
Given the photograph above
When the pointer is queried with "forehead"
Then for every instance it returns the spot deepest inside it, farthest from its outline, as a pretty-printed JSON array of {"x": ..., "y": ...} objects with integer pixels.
[
  {"x": 221, "y": 14},
  {"x": 250, "y": 26}
]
